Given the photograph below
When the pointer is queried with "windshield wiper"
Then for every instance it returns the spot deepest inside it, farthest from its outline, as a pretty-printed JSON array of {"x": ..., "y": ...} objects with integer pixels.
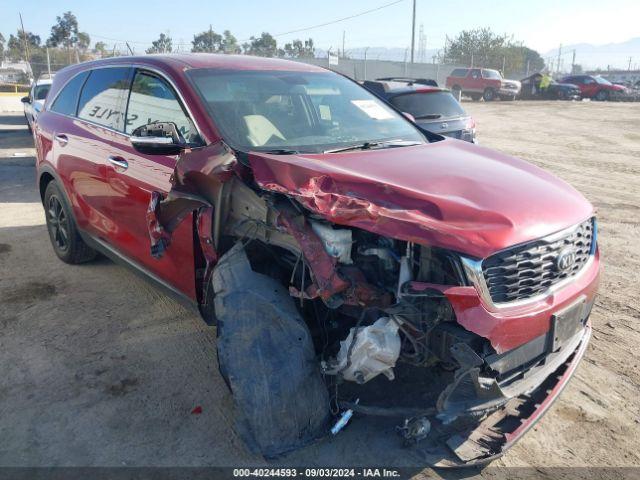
[
  {"x": 280, "y": 151},
  {"x": 371, "y": 145},
  {"x": 430, "y": 116}
]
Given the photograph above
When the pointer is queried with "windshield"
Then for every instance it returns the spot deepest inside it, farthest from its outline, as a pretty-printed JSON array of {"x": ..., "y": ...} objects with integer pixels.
[
  {"x": 602, "y": 81},
  {"x": 301, "y": 111},
  {"x": 429, "y": 105},
  {"x": 41, "y": 91}
]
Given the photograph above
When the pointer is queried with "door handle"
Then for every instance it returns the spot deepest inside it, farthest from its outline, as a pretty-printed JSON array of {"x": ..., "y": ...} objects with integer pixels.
[
  {"x": 62, "y": 139},
  {"x": 118, "y": 162}
]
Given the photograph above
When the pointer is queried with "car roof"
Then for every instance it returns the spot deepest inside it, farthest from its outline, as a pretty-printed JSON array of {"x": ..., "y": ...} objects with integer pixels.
[
  {"x": 209, "y": 60},
  {"x": 44, "y": 81}
]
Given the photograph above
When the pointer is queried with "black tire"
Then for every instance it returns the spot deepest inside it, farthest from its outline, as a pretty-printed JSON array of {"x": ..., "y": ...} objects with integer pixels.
[
  {"x": 63, "y": 233},
  {"x": 475, "y": 97},
  {"x": 602, "y": 96},
  {"x": 561, "y": 95},
  {"x": 489, "y": 95}
]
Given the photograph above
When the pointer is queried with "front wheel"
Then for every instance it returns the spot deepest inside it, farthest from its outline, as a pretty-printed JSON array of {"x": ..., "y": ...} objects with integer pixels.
[
  {"x": 489, "y": 95},
  {"x": 602, "y": 96},
  {"x": 63, "y": 233}
]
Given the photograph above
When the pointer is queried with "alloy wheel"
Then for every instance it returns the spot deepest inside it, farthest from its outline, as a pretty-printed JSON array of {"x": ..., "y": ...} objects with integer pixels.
[{"x": 58, "y": 223}]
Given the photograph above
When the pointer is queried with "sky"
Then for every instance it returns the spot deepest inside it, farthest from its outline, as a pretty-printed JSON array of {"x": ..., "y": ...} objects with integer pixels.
[{"x": 540, "y": 24}]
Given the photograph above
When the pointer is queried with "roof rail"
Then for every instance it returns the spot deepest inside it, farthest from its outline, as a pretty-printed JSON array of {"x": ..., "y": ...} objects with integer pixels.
[{"x": 410, "y": 81}]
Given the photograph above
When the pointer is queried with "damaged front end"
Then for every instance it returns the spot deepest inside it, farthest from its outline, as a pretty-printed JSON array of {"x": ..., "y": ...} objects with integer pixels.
[{"x": 329, "y": 305}]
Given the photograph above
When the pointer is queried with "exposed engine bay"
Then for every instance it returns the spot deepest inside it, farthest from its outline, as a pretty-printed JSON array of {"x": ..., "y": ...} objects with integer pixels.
[{"x": 319, "y": 322}]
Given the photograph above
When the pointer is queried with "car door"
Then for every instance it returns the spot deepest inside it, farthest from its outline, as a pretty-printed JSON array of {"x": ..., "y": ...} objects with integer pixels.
[
  {"x": 132, "y": 176},
  {"x": 474, "y": 81},
  {"x": 590, "y": 87}
]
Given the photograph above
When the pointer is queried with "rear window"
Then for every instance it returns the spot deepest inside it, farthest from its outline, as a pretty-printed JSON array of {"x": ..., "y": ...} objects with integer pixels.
[
  {"x": 459, "y": 72},
  {"x": 67, "y": 100},
  {"x": 429, "y": 105},
  {"x": 104, "y": 95}
]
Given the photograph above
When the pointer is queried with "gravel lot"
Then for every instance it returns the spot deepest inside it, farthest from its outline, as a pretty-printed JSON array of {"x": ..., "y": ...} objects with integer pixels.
[{"x": 99, "y": 368}]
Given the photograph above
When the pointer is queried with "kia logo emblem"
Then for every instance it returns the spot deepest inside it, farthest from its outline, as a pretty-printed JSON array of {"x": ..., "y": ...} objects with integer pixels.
[{"x": 566, "y": 260}]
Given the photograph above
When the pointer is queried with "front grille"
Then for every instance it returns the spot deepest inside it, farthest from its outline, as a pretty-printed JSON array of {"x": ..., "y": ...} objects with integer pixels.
[{"x": 527, "y": 270}]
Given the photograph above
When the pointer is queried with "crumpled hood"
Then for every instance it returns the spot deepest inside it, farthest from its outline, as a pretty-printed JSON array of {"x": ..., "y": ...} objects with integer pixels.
[{"x": 450, "y": 194}]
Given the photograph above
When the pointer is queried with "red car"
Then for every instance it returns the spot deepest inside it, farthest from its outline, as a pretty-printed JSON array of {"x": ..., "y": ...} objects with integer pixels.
[
  {"x": 482, "y": 83},
  {"x": 351, "y": 262},
  {"x": 596, "y": 87}
]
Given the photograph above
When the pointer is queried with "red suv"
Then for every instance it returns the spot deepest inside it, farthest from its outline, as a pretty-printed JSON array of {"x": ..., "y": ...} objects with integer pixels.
[
  {"x": 482, "y": 83},
  {"x": 596, "y": 87},
  {"x": 342, "y": 252}
]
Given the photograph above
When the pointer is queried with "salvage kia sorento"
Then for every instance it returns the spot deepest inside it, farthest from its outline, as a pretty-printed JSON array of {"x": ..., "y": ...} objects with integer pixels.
[{"x": 359, "y": 270}]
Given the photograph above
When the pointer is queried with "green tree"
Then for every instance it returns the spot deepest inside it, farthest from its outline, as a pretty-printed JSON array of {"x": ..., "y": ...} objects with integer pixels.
[
  {"x": 64, "y": 32},
  {"x": 299, "y": 49},
  {"x": 207, "y": 41},
  {"x": 164, "y": 44},
  {"x": 101, "y": 48},
  {"x": 230, "y": 43},
  {"x": 263, "y": 46},
  {"x": 483, "y": 48},
  {"x": 84, "y": 41},
  {"x": 16, "y": 45},
  {"x": 2, "y": 42}
]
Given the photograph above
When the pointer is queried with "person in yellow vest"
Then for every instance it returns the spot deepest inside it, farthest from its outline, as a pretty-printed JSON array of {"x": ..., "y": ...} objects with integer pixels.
[{"x": 545, "y": 81}]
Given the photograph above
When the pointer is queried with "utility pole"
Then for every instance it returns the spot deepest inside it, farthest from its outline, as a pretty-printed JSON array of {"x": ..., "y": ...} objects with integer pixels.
[
  {"x": 504, "y": 62},
  {"x": 365, "y": 63},
  {"x": 573, "y": 61},
  {"x": 528, "y": 62},
  {"x": 559, "y": 54},
  {"x": 130, "y": 50},
  {"x": 630, "y": 58},
  {"x": 48, "y": 63},
  {"x": 210, "y": 39},
  {"x": 25, "y": 42},
  {"x": 343, "y": 36},
  {"x": 413, "y": 30}
]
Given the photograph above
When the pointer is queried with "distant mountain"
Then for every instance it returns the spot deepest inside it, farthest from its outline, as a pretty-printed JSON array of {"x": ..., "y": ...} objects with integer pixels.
[{"x": 591, "y": 57}]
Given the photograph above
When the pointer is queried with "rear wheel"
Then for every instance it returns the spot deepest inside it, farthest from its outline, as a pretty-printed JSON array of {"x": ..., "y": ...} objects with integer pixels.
[
  {"x": 63, "y": 233},
  {"x": 489, "y": 95},
  {"x": 561, "y": 95},
  {"x": 602, "y": 95}
]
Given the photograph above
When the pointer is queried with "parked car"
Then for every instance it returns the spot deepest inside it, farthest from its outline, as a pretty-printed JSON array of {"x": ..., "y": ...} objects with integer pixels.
[
  {"x": 482, "y": 83},
  {"x": 35, "y": 100},
  {"x": 342, "y": 252},
  {"x": 595, "y": 87},
  {"x": 555, "y": 90},
  {"x": 432, "y": 108}
]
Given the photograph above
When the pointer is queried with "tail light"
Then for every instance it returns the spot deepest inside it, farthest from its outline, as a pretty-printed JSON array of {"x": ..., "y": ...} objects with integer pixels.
[{"x": 471, "y": 124}]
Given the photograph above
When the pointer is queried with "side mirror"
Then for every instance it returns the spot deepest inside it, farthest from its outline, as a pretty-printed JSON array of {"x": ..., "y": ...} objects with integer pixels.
[
  {"x": 25, "y": 99},
  {"x": 158, "y": 138}
]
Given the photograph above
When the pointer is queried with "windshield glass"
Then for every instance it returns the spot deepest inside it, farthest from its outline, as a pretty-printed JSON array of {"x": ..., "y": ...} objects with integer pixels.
[
  {"x": 301, "y": 111},
  {"x": 602, "y": 81},
  {"x": 41, "y": 91},
  {"x": 429, "y": 105}
]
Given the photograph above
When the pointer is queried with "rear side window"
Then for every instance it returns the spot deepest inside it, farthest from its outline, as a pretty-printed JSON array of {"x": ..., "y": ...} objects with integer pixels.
[
  {"x": 104, "y": 95},
  {"x": 491, "y": 74},
  {"x": 428, "y": 105},
  {"x": 459, "y": 72},
  {"x": 67, "y": 100},
  {"x": 153, "y": 100}
]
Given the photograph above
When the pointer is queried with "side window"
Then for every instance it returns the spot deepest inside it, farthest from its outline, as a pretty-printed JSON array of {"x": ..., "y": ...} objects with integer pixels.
[
  {"x": 153, "y": 100},
  {"x": 475, "y": 73},
  {"x": 103, "y": 97},
  {"x": 67, "y": 100},
  {"x": 459, "y": 72}
]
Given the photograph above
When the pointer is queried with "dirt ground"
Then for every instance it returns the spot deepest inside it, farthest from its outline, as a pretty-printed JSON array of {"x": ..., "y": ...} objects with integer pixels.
[{"x": 100, "y": 368}]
